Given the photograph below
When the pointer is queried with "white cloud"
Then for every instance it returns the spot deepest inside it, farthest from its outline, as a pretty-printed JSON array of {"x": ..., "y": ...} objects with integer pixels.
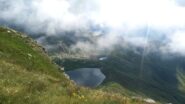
[
  {"x": 180, "y": 2},
  {"x": 177, "y": 43},
  {"x": 134, "y": 13},
  {"x": 120, "y": 16},
  {"x": 112, "y": 13}
]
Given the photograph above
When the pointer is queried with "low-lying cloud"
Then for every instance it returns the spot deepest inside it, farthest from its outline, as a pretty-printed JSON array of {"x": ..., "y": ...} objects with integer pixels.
[{"x": 110, "y": 22}]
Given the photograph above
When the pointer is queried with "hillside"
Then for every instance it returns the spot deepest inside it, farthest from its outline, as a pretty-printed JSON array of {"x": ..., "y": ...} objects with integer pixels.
[
  {"x": 28, "y": 76},
  {"x": 160, "y": 79},
  {"x": 161, "y": 76}
]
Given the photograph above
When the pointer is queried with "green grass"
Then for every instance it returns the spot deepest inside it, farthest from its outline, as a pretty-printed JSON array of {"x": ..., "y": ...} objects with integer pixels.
[
  {"x": 181, "y": 78},
  {"x": 22, "y": 50},
  {"x": 18, "y": 86},
  {"x": 28, "y": 76}
]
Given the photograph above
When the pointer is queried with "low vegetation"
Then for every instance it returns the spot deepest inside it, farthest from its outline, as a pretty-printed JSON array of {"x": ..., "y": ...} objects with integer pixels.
[{"x": 28, "y": 76}]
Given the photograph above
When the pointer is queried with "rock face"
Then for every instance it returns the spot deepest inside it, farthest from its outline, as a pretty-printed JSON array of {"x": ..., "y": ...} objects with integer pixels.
[
  {"x": 149, "y": 101},
  {"x": 89, "y": 77}
]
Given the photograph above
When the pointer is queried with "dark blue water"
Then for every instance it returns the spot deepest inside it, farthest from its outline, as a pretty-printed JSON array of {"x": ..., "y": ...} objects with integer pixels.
[{"x": 89, "y": 77}]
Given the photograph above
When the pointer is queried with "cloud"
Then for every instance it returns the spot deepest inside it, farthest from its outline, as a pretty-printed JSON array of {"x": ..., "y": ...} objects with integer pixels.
[
  {"x": 177, "y": 43},
  {"x": 48, "y": 16},
  {"x": 180, "y": 2},
  {"x": 72, "y": 14},
  {"x": 134, "y": 13},
  {"x": 108, "y": 22}
]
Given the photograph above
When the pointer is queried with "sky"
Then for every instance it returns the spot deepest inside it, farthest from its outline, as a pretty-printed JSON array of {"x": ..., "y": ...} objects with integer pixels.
[{"x": 134, "y": 20}]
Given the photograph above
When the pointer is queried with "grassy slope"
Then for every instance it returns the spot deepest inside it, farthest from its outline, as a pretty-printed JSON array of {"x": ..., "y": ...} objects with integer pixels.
[
  {"x": 27, "y": 76},
  {"x": 159, "y": 79},
  {"x": 181, "y": 78}
]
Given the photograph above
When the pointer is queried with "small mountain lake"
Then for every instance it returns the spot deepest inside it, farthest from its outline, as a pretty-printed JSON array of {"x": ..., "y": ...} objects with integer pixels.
[{"x": 89, "y": 77}]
